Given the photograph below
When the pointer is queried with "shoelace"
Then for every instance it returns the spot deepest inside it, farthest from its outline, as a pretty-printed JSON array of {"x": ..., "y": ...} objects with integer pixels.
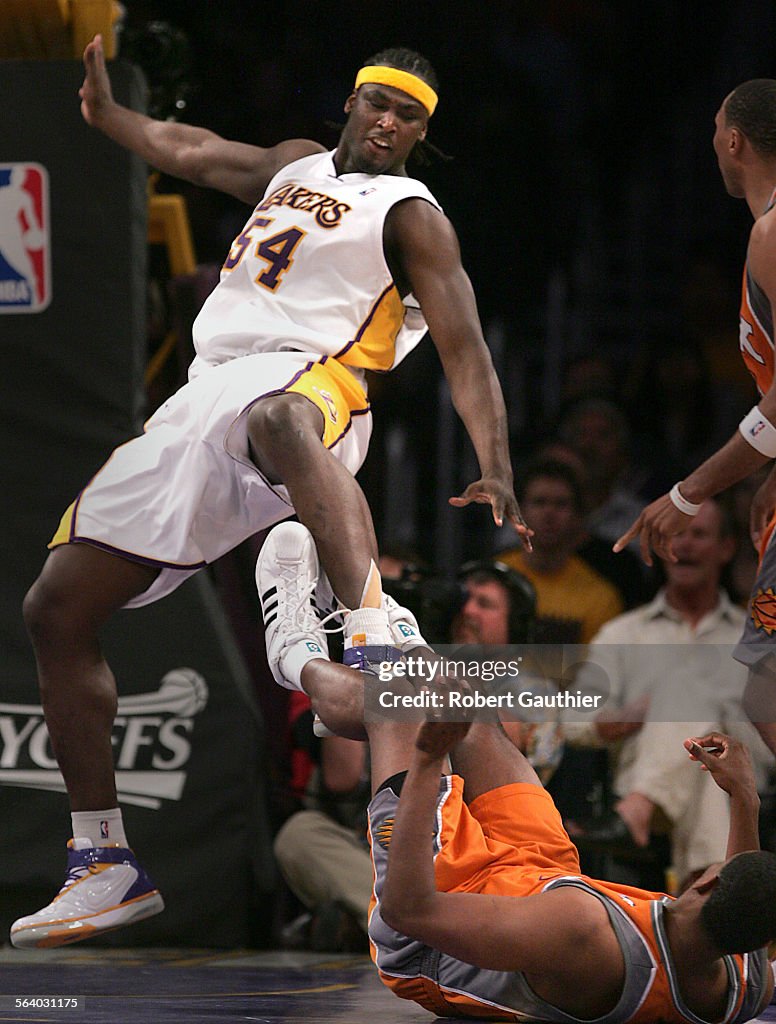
[
  {"x": 77, "y": 873},
  {"x": 304, "y": 615},
  {"x": 306, "y": 619},
  {"x": 314, "y": 620}
]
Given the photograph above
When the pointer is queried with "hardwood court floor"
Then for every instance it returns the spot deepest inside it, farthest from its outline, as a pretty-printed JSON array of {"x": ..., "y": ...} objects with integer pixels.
[{"x": 157, "y": 986}]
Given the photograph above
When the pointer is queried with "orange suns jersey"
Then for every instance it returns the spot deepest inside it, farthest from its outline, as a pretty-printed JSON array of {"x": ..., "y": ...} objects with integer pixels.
[
  {"x": 662, "y": 998},
  {"x": 756, "y": 327}
]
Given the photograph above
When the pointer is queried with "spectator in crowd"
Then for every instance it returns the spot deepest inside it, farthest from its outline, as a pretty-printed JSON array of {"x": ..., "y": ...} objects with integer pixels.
[
  {"x": 499, "y": 608},
  {"x": 598, "y": 431},
  {"x": 625, "y": 571},
  {"x": 665, "y": 672},
  {"x": 499, "y": 605},
  {"x": 573, "y": 600},
  {"x": 322, "y": 850}
]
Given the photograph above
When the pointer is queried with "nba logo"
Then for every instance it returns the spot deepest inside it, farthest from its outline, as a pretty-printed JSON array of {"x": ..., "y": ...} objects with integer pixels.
[
  {"x": 104, "y": 830},
  {"x": 25, "y": 243}
]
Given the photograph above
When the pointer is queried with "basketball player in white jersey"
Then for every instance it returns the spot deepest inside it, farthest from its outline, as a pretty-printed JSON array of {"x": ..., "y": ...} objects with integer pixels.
[{"x": 341, "y": 265}]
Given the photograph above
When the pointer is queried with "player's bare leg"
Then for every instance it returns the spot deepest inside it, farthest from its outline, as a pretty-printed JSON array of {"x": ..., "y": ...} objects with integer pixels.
[
  {"x": 487, "y": 759},
  {"x": 285, "y": 432},
  {"x": 337, "y": 696},
  {"x": 105, "y": 886},
  {"x": 391, "y": 745},
  {"x": 78, "y": 590}
]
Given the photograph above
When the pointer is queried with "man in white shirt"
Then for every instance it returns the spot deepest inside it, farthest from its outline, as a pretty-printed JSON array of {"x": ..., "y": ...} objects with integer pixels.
[{"x": 668, "y": 672}]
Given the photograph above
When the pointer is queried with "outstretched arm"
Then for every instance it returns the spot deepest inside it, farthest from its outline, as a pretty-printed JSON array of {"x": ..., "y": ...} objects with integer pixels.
[
  {"x": 661, "y": 520},
  {"x": 184, "y": 151},
  {"x": 427, "y": 249},
  {"x": 730, "y": 765}
]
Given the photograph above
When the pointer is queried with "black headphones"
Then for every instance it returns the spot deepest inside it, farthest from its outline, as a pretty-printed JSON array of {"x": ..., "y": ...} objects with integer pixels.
[{"x": 522, "y": 596}]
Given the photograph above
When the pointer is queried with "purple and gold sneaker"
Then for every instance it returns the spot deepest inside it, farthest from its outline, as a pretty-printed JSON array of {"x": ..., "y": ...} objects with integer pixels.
[{"x": 105, "y": 888}]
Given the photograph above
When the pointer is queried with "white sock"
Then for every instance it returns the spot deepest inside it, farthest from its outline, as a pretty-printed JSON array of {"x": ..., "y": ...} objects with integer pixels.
[
  {"x": 102, "y": 828},
  {"x": 294, "y": 659},
  {"x": 367, "y": 627}
]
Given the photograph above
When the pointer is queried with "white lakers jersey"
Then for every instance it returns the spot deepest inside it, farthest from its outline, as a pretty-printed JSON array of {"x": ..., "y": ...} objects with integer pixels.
[{"x": 308, "y": 272}]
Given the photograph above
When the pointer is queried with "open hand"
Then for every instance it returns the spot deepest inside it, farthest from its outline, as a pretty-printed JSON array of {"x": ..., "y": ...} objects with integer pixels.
[
  {"x": 96, "y": 95},
  {"x": 500, "y": 496}
]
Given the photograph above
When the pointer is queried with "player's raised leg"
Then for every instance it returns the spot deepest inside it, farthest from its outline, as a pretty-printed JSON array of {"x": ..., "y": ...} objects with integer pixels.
[
  {"x": 487, "y": 759},
  {"x": 285, "y": 434}
]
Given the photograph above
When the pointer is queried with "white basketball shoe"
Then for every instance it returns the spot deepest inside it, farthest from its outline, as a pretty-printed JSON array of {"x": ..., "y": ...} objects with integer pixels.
[
  {"x": 287, "y": 573},
  {"x": 105, "y": 888}
]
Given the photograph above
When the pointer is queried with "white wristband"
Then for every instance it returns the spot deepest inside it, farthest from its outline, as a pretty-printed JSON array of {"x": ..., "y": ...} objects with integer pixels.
[
  {"x": 759, "y": 432},
  {"x": 688, "y": 507}
]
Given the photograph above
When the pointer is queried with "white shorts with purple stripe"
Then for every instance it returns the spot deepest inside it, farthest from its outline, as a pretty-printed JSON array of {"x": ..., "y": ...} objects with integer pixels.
[{"x": 185, "y": 492}]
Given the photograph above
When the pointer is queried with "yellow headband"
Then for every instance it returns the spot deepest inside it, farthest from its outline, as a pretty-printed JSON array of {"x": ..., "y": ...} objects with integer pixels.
[{"x": 403, "y": 80}]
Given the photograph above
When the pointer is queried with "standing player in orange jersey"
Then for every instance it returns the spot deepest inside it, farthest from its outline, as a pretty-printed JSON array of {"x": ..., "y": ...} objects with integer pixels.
[{"x": 745, "y": 144}]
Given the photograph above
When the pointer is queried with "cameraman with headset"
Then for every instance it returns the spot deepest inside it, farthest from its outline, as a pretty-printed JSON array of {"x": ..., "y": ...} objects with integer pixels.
[{"x": 489, "y": 605}]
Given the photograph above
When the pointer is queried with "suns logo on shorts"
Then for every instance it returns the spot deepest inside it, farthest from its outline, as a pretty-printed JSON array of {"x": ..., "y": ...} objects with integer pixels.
[
  {"x": 383, "y": 833},
  {"x": 763, "y": 610},
  {"x": 25, "y": 244}
]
